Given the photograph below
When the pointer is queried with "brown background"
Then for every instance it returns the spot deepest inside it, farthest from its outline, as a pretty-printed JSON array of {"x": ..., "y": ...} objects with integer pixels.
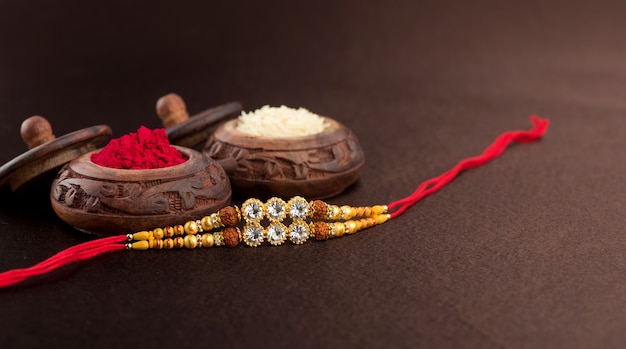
[{"x": 525, "y": 252}]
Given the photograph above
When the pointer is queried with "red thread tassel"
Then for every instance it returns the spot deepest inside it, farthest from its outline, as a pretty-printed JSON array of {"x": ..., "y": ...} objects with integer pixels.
[
  {"x": 540, "y": 126},
  {"x": 76, "y": 253}
]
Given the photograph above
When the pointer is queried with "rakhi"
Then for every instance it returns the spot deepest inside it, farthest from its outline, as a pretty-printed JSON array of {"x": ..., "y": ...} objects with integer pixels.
[{"x": 296, "y": 220}]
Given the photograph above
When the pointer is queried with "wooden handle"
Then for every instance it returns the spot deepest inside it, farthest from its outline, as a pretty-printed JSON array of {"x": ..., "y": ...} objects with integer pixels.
[
  {"x": 171, "y": 110},
  {"x": 35, "y": 131}
]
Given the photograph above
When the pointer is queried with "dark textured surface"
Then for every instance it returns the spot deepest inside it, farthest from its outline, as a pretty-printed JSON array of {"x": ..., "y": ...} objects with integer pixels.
[{"x": 525, "y": 252}]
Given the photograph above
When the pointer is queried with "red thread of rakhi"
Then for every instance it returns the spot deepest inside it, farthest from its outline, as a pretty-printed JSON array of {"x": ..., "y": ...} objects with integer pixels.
[{"x": 104, "y": 245}]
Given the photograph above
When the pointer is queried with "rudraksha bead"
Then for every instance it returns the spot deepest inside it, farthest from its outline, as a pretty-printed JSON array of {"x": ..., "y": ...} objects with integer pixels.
[
  {"x": 322, "y": 231},
  {"x": 231, "y": 237},
  {"x": 229, "y": 216},
  {"x": 320, "y": 209}
]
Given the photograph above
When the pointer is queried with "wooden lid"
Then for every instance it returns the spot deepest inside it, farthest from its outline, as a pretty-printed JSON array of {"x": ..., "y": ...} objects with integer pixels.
[
  {"x": 191, "y": 131},
  {"x": 48, "y": 153}
]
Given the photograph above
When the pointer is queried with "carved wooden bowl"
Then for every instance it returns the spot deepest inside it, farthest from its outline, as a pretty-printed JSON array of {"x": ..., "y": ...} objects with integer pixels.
[
  {"x": 316, "y": 166},
  {"x": 109, "y": 201}
]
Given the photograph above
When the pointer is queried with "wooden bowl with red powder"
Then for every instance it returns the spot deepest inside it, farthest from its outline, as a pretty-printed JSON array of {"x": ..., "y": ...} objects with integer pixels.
[{"x": 138, "y": 183}]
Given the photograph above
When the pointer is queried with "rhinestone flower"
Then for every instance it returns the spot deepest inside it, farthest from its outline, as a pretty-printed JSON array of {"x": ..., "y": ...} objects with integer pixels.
[
  {"x": 276, "y": 210},
  {"x": 252, "y": 210},
  {"x": 253, "y": 235},
  {"x": 276, "y": 234},
  {"x": 298, "y": 233},
  {"x": 298, "y": 208}
]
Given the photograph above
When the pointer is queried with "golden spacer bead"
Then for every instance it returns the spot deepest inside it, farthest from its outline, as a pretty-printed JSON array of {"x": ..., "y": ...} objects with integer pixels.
[
  {"x": 191, "y": 228},
  {"x": 215, "y": 220},
  {"x": 207, "y": 240},
  {"x": 335, "y": 212},
  {"x": 218, "y": 238},
  {"x": 190, "y": 241}
]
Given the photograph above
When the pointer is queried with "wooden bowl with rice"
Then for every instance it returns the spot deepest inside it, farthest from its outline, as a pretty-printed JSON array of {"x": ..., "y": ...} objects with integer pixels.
[{"x": 286, "y": 152}]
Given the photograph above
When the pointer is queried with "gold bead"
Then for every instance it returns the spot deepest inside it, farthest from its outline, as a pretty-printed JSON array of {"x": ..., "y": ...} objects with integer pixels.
[
  {"x": 191, "y": 228},
  {"x": 190, "y": 241},
  {"x": 346, "y": 212},
  {"x": 168, "y": 244},
  {"x": 168, "y": 232},
  {"x": 179, "y": 242},
  {"x": 336, "y": 212},
  {"x": 207, "y": 240},
  {"x": 158, "y": 233},
  {"x": 367, "y": 212},
  {"x": 340, "y": 229},
  {"x": 158, "y": 244},
  {"x": 351, "y": 227},
  {"x": 359, "y": 224},
  {"x": 207, "y": 223},
  {"x": 179, "y": 230}
]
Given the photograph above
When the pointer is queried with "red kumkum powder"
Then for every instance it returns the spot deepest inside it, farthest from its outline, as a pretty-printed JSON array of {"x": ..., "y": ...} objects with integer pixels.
[{"x": 144, "y": 150}]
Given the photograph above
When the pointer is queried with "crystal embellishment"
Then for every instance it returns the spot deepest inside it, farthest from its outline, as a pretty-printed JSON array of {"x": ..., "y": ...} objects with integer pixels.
[
  {"x": 298, "y": 208},
  {"x": 218, "y": 238},
  {"x": 276, "y": 234},
  {"x": 276, "y": 209},
  {"x": 253, "y": 235},
  {"x": 252, "y": 210},
  {"x": 298, "y": 233}
]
